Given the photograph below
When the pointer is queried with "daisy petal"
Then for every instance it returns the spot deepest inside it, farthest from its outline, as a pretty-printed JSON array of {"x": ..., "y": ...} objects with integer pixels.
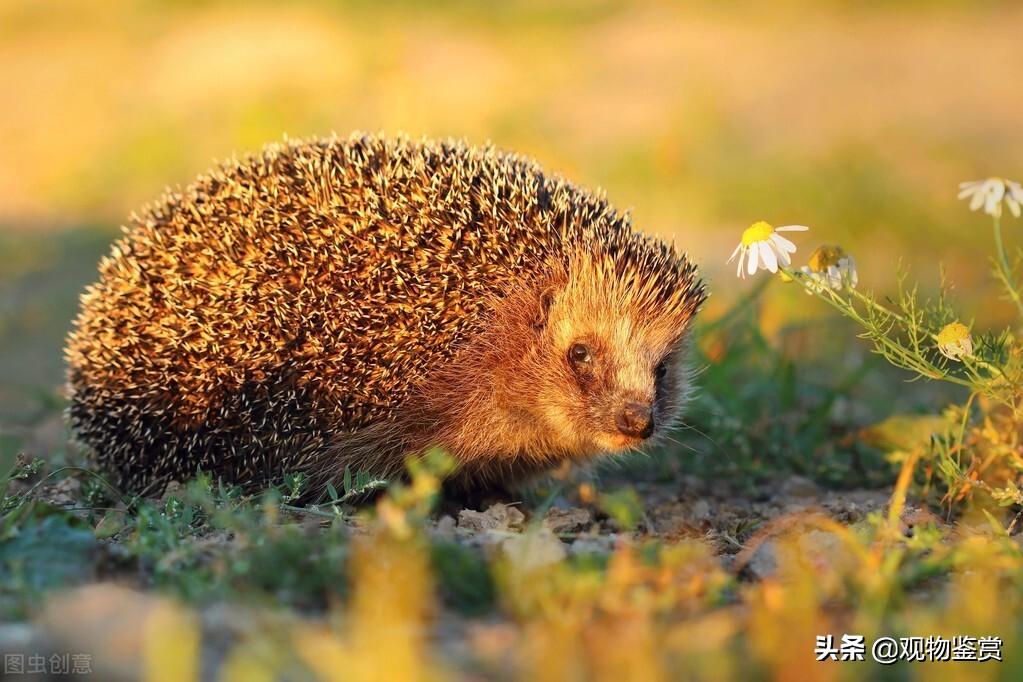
[
  {"x": 783, "y": 257},
  {"x": 783, "y": 243},
  {"x": 1013, "y": 206},
  {"x": 997, "y": 190},
  {"x": 742, "y": 260},
  {"x": 734, "y": 253},
  {"x": 991, "y": 206},
  {"x": 754, "y": 255},
  {"x": 834, "y": 277},
  {"x": 770, "y": 259},
  {"x": 1014, "y": 196},
  {"x": 977, "y": 201},
  {"x": 792, "y": 228}
]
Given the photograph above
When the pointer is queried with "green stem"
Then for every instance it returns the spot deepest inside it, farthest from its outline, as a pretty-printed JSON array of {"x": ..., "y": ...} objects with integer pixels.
[
  {"x": 867, "y": 300},
  {"x": 870, "y": 302},
  {"x": 312, "y": 512},
  {"x": 1003, "y": 265},
  {"x": 906, "y": 322},
  {"x": 847, "y": 309}
]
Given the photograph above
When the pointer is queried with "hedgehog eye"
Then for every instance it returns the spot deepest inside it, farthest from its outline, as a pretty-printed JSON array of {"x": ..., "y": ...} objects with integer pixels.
[
  {"x": 579, "y": 354},
  {"x": 661, "y": 370}
]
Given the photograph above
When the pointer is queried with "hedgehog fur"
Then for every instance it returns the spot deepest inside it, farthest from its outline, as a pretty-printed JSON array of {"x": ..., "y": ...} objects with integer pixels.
[{"x": 348, "y": 302}]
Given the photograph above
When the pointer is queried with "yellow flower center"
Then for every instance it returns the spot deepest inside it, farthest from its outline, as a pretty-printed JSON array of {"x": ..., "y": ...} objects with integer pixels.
[
  {"x": 825, "y": 257},
  {"x": 953, "y": 333},
  {"x": 757, "y": 232}
]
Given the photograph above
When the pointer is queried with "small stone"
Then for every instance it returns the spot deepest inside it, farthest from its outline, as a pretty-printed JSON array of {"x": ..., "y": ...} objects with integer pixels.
[
  {"x": 700, "y": 510},
  {"x": 913, "y": 517},
  {"x": 764, "y": 562},
  {"x": 496, "y": 517},
  {"x": 799, "y": 486},
  {"x": 597, "y": 544},
  {"x": 445, "y": 528},
  {"x": 570, "y": 520}
]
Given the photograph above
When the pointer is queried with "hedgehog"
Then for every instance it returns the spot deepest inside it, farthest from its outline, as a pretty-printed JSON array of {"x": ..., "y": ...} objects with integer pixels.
[{"x": 349, "y": 302}]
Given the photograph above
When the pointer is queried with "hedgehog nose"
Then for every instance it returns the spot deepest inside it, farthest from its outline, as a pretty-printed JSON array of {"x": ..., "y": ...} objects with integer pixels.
[{"x": 635, "y": 420}]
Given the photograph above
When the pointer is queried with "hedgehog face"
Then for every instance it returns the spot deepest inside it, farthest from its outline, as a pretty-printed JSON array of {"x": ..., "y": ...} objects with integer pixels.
[
  {"x": 585, "y": 360},
  {"x": 610, "y": 379},
  {"x": 615, "y": 384}
]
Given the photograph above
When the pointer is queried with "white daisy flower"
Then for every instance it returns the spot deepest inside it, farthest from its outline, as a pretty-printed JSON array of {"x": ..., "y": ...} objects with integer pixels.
[
  {"x": 763, "y": 247},
  {"x": 830, "y": 266},
  {"x": 989, "y": 194}
]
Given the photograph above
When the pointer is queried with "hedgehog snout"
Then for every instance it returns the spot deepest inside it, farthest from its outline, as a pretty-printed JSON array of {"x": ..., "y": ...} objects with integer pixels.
[{"x": 636, "y": 419}]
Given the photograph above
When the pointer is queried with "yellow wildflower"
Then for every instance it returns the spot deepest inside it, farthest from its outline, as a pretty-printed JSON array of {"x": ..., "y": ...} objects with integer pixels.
[{"x": 954, "y": 341}]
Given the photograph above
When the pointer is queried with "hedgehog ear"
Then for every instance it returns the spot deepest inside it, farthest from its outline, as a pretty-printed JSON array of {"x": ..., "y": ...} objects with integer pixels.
[{"x": 543, "y": 309}]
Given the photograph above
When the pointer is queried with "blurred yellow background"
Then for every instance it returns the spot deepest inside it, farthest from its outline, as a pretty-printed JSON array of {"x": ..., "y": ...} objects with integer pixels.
[{"x": 857, "y": 118}]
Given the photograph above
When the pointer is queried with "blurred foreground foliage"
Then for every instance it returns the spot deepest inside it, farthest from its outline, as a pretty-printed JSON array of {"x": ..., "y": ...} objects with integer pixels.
[{"x": 389, "y": 593}]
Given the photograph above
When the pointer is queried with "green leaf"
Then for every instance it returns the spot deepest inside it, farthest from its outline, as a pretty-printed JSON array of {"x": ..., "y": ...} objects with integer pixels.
[{"x": 46, "y": 553}]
